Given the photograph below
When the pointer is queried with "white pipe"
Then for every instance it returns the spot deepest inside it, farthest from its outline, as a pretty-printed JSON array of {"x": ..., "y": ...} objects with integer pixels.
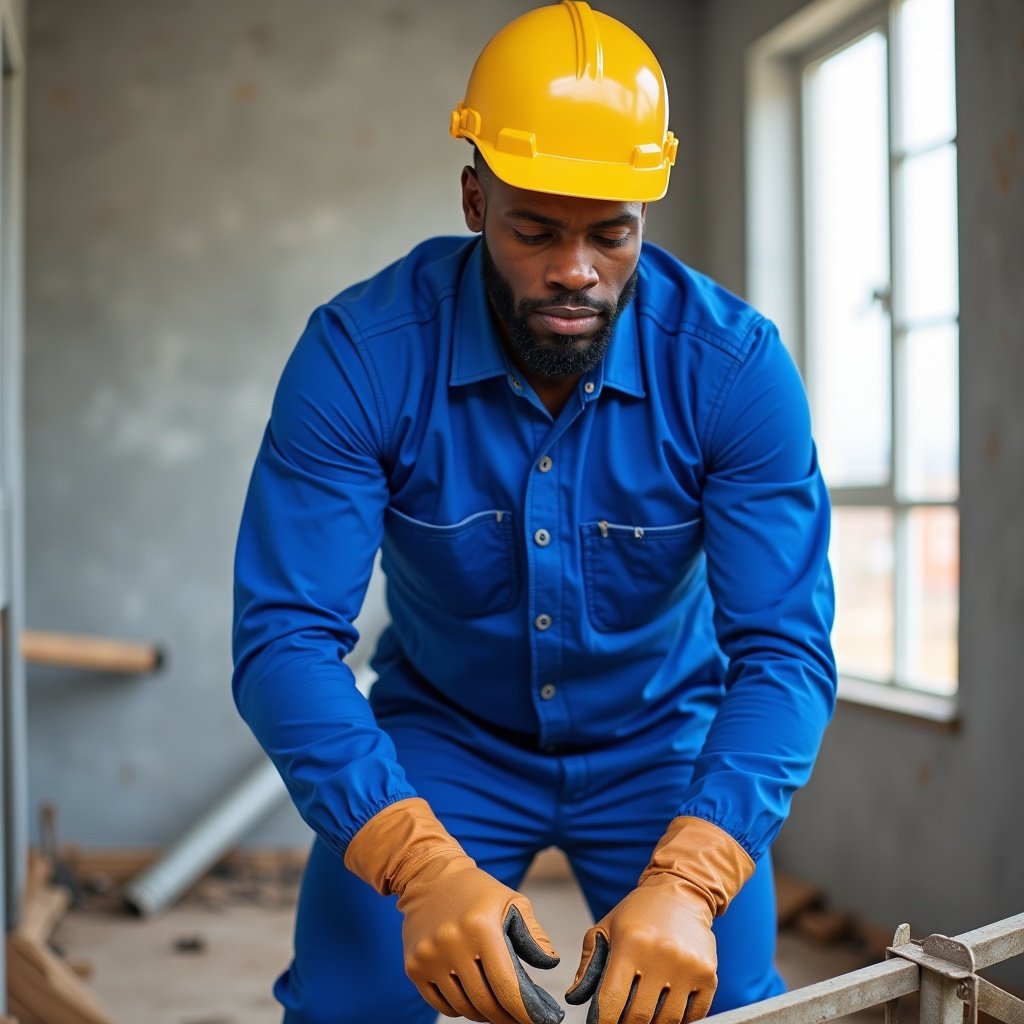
[
  {"x": 220, "y": 828},
  {"x": 207, "y": 840}
]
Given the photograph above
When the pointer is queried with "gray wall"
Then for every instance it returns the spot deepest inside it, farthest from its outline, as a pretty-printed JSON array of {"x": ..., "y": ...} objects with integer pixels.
[
  {"x": 200, "y": 176},
  {"x": 901, "y": 821}
]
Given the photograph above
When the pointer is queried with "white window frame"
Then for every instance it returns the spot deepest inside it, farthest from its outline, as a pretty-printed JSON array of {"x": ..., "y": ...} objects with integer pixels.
[{"x": 776, "y": 250}]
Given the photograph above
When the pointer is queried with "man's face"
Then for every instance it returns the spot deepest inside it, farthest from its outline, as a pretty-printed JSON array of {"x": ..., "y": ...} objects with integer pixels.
[{"x": 558, "y": 270}]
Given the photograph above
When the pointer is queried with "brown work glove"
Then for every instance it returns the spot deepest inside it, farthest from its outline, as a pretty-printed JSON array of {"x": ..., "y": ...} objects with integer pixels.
[
  {"x": 464, "y": 932},
  {"x": 652, "y": 959}
]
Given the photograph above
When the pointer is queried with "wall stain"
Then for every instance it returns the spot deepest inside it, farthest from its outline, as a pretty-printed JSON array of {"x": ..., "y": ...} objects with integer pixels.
[
  {"x": 63, "y": 97},
  {"x": 400, "y": 19},
  {"x": 1007, "y": 166},
  {"x": 993, "y": 445},
  {"x": 261, "y": 35},
  {"x": 245, "y": 92}
]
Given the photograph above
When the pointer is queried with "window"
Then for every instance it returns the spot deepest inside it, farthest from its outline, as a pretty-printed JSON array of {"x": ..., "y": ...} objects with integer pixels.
[{"x": 873, "y": 303}]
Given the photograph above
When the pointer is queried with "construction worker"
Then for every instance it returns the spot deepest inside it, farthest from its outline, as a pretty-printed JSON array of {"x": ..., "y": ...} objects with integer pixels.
[{"x": 591, "y": 475}]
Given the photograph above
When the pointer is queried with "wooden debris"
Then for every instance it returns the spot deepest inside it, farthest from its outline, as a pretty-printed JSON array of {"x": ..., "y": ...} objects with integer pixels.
[
  {"x": 872, "y": 939},
  {"x": 793, "y": 897},
  {"x": 41, "y": 987},
  {"x": 41, "y": 914},
  {"x": 190, "y": 944},
  {"x": 826, "y": 927},
  {"x": 109, "y": 867}
]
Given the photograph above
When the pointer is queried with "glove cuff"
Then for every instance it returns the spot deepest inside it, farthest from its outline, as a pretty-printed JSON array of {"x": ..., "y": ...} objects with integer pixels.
[
  {"x": 705, "y": 856},
  {"x": 397, "y": 843}
]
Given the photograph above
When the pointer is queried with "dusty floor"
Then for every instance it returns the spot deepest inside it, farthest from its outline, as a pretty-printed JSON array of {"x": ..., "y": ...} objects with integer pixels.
[{"x": 212, "y": 958}]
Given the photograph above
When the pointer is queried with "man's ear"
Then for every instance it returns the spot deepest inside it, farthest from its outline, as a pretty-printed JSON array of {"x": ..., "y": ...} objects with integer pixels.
[{"x": 474, "y": 201}]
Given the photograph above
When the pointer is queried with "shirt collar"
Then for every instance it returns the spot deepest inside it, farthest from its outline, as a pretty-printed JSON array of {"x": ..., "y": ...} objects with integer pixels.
[{"x": 477, "y": 352}]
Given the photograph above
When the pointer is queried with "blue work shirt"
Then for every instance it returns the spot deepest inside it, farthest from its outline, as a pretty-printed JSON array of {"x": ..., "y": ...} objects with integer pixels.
[{"x": 659, "y": 547}]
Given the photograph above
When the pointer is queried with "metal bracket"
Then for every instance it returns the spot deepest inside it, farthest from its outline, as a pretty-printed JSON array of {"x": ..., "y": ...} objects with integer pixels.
[
  {"x": 954, "y": 960},
  {"x": 901, "y": 938}
]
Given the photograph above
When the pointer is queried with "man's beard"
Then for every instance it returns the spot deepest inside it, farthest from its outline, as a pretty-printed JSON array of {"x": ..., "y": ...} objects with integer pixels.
[{"x": 562, "y": 355}]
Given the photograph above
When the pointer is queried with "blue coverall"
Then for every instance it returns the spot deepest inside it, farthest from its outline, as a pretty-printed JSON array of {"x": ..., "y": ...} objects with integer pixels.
[{"x": 599, "y": 621}]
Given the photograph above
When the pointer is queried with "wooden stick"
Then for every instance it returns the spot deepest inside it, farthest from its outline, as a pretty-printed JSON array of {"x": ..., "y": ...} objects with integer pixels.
[
  {"x": 43, "y": 989},
  {"x": 93, "y": 653},
  {"x": 42, "y": 913}
]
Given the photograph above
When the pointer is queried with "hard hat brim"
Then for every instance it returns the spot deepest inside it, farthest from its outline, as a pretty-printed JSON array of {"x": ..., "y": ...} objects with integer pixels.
[{"x": 582, "y": 179}]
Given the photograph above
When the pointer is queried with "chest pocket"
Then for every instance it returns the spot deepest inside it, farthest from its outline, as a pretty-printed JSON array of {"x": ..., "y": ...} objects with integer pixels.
[
  {"x": 633, "y": 574},
  {"x": 467, "y": 568}
]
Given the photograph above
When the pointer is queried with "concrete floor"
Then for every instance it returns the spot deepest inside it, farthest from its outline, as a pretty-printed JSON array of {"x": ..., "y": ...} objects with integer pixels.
[{"x": 213, "y": 963}]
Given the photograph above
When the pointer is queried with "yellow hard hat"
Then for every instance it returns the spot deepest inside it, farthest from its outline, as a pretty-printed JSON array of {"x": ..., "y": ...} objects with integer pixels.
[{"x": 568, "y": 100}]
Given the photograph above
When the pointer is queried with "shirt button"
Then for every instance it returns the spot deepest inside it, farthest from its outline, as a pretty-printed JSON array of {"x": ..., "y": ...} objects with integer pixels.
[
  {"x": 589, "y": 387},
  {"x": 547, "y": 691},
  {"x": 514, "y": 381},
  {"x": 542, "y": 538},
  {"x": 542, "y": 621},
  {"x": 545, "y": 464}
]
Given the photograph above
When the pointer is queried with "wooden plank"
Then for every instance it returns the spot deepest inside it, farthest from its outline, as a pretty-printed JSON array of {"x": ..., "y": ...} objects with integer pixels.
[
  {"x": 92, "y": 653},
  {"x": 42, "y": 988},
  {"x": 41, "y": 912},
  {"x": 38, "y": 874},
  {"x": 115, "y": 865}
]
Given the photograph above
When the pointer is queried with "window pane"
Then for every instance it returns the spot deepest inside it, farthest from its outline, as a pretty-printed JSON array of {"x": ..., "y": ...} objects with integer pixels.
[
  {"x": 930, "y": 403},
  {"x": 925, "y": 58},
  {"x": 929, "y": 236},
  {"x": 862, "y": 564},
  {"x": 847, "y": 241},
  {"x": 932, "y": 582}
]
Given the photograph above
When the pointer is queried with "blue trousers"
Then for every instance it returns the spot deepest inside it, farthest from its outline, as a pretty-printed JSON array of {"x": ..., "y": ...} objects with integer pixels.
[{"x": 605, "y": 808}]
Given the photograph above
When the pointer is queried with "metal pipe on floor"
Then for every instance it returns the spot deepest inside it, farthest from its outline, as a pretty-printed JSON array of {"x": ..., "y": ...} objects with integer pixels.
[
  {"x": 207, "y": 840},
  {"x": 219, "y": 829}
]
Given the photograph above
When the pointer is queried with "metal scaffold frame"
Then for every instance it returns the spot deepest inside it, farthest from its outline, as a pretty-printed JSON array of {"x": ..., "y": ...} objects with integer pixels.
[{"x": 942, "y": 969}]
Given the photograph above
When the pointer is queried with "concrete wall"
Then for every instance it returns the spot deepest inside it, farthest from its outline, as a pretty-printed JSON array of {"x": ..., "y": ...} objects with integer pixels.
[
  {"x": 901, "y": 821},
  {"x": 200, "y": 176}
]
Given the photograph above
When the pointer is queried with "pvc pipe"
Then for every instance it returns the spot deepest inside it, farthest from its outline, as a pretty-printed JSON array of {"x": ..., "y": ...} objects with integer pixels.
[
  {"x": 220, "y": 828},
  {"x": 206, "y": 841}
]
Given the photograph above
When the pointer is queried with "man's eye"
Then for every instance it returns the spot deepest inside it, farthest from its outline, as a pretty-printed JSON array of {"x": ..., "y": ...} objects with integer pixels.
[
  {"x": 614, "y": 242},
  {"x": 531, "y": 239}
]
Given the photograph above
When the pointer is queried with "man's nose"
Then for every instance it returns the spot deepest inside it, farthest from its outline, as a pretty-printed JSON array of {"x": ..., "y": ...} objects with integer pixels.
[{"x": 572, "y": 268}]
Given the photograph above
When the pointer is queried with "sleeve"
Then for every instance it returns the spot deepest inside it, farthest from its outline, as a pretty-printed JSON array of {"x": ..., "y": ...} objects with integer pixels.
[
  {"x": 311, "y": 526},
  {"x": 766, "y": 535}
]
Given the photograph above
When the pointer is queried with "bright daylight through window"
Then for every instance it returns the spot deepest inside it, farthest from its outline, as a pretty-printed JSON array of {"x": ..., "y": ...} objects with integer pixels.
[{"x": 881, "y": 342}]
